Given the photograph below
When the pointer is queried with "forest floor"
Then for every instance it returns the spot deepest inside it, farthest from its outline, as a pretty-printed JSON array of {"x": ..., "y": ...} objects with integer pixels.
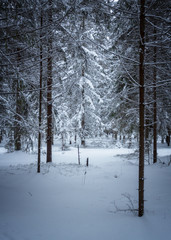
[{"x": 67, "y": 201}]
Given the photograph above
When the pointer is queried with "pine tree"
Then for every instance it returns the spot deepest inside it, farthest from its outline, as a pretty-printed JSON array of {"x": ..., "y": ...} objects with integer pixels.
[{"x": 141, "y": 108}]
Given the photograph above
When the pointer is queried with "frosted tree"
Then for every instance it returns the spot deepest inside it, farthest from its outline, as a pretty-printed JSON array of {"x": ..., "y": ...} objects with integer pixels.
[
  {"x": 84, "y": 97},
  {"x": 16, "y": 54},
  {"x": 123, "y": 48}
]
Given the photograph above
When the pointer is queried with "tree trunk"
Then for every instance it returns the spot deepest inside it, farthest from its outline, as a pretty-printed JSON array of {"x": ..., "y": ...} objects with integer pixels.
[
  {"x": 83, "y": 116},
  {"x": 155, "y": 103},
  {"x": 17, "y": 129},
  {"x": 78, "y": 155},
  {"x": 1, "y": 136},
  {"x": 49, "y": 88},
  {"x": 40, "y": 95},
  {"x": 17, "y": 135},
  {"x": 147, "y": 135},
  {"x": 116, "y": 136},
  {"x": 141, "y": 109},
  {"x": 83, "y": 97}
]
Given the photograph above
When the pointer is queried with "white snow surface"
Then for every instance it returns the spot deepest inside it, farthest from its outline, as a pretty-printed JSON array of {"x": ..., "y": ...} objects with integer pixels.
[{"x": 67, "y": 201}]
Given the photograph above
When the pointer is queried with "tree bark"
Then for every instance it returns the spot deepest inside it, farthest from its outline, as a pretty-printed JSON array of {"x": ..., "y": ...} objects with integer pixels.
[
  {"x": 141, "y": 109},
  {"x": 17, "y": 130},
  {"x": 17, "y": 135},
  {"x": 49, "y": 88},
  {"x": 83, "y": 96},
  {"x": 83, "y": 115},
  {"x": 40, "y": 95},
  {"x": 155, "y": 103}
]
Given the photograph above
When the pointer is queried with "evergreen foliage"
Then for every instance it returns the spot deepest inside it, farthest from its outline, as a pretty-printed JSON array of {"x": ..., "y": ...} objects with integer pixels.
[{"x": 94, "y": 59}]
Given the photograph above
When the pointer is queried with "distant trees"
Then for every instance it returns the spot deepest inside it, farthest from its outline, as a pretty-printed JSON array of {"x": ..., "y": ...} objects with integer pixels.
[
  {"x": 16, "y": 57},
  {"x": 83, "y": 96},
  {"x": 157, "y": 22},
  {"x": 126, "y": 84},
  {"x": 71, "y": 69}
]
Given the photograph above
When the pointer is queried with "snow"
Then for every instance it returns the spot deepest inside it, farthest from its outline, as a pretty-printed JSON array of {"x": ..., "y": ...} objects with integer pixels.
[
  {"x": 90, "y": 52},
  {"x": 67, "y": 201}
]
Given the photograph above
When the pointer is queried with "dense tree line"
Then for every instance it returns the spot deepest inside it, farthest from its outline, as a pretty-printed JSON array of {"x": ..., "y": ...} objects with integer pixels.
[
  {"x": 94, "y": 50},
  {"x": 80, "y": 59}
]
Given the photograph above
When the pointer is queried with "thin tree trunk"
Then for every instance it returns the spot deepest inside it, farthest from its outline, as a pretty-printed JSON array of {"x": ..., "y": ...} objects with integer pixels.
[
  {"x": 17, "y": 127},
  {"x": 78, "y": 155},
  {"x": 83, "y": 97},
  {"x": 83, "y": 115},
  {"x": 17, "y": 130},
  {"x": 155, "y": 103},
  {"x": 147, "y": 133},
  {"x": 49, "y": 88},
  {"x": 40, "y": 95},
  {"x": 17, "y": 135},
  {"x": 1, "y": 136},
  {"x": 141, "y": 109}
]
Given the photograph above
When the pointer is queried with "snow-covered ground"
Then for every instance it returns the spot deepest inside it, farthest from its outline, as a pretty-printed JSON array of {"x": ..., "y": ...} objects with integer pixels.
[{"x": 67, "y": 201}]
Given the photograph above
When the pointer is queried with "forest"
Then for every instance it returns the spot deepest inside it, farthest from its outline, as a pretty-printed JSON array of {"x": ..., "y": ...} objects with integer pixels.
[
  {"x": 70, "y": 69},
  {"x": 75, "y": 70}
]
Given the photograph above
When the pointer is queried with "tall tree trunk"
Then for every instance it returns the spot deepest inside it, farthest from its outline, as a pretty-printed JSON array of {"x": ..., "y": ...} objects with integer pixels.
[
  {"x": 83, "y": 95},
  {"x": 141, "y": 109},
  {"x": 49, "y": 88},
  {"x": 83, "y": 115},
  {"x": 17, "y": 130},
  {"x": 40, "y": 94},
  {"x": 155, "y": 102}
]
